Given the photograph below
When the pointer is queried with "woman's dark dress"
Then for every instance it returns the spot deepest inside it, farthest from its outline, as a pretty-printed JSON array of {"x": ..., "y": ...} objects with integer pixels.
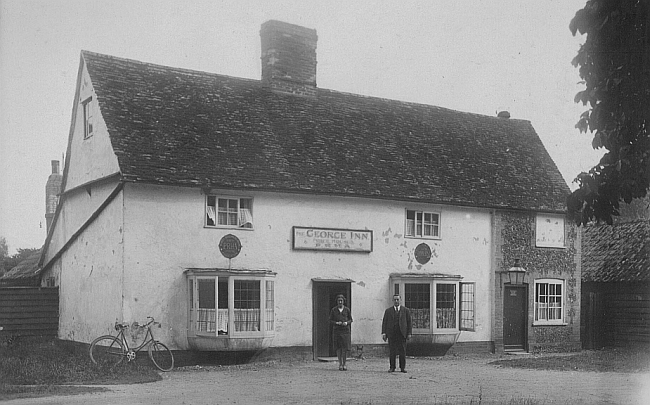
[{"x": 341, "y": 334}]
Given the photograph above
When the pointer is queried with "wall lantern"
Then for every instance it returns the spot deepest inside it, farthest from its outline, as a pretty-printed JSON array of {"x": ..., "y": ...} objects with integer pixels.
[{"x": 517, "y": 273}]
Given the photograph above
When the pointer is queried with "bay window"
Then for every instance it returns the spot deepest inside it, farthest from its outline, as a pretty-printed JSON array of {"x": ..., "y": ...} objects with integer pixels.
[
  {"x": 434, "y": 301},
  {"x": 228, "y": 303}
]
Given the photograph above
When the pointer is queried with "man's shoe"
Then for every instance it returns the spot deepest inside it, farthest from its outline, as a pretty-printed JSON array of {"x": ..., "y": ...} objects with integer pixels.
[
  {"x": 392, "y": 370},
  {"x": 403, "y": 370}
]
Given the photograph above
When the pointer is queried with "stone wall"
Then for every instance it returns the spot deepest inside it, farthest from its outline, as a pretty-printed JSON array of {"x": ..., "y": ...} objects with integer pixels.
[{"x": 515, "y": 239}]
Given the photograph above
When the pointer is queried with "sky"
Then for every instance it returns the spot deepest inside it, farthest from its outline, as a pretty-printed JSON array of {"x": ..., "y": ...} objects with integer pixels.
[{"x": 479, "y": 56}]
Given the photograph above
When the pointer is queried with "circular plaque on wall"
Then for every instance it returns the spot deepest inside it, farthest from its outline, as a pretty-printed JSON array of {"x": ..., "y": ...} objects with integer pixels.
[
  {"x": 422, "y": 253},
  {"x": 230, "y": 246}
]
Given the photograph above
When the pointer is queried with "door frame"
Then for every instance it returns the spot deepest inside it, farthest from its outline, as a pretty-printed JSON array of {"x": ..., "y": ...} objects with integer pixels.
[
  {"x": 324, "y": 294},
  {"x": 523, "y": 344}
]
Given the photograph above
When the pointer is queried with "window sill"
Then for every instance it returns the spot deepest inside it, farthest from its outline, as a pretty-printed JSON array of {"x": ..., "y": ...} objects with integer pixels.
[
  {"x": 232, "y": 228},
  {"x": 550, "y": 247},
  {"x": 227, "y": 343},
  {"x": 550, "y": 324},
  {"x": 423, "y": 237}
]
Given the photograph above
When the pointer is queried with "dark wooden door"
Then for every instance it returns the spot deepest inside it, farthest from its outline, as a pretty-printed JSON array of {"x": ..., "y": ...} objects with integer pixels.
[
  {"x": 514, "y": 317},
  {"x": 324, "y": 299}
]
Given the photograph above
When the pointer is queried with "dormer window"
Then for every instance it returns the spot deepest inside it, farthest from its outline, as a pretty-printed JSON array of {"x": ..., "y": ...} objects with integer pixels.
[
  {"x": 88, "y": 118},
  {"x": 230, "y": 212},
  {"x": 421, "y": 224}
]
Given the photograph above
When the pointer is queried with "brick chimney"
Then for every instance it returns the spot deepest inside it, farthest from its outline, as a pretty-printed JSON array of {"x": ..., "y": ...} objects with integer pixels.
[
  {"x": 52, "y": 191},
  {"x": 288, "y": 58}
]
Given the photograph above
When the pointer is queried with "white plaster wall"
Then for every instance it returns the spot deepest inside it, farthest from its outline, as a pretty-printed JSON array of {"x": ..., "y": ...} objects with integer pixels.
[
  {"x": 92, "y": 158},
  {"x": 164, "y": 234},
  {"x": 90, "y": 281}
]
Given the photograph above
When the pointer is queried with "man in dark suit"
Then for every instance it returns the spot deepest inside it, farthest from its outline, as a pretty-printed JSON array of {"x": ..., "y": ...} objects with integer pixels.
[{"x": 397, "y": 328}]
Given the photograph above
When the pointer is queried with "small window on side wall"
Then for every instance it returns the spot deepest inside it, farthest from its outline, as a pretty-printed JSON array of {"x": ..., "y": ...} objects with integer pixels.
[
  {"x": 549, "y": 231},
  {"x": 88, "y": 118},
  {"x": 230, "y": 212},
  {"x": 421, "y": 224}
]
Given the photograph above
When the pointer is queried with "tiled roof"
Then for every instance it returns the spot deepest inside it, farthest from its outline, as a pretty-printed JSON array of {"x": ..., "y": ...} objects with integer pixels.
[
  {"x": 180, "y": 127},
  {"x": 618, "y": 252}
]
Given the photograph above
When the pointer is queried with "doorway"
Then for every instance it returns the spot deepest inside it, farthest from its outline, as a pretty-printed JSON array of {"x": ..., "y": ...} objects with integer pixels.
[
  {"x": 515, "y": 314},
  {"x": 324, "y": 299}
]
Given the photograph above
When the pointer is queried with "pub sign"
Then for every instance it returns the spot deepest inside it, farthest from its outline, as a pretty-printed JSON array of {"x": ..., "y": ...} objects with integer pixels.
[{"x": 333, "y": 239}]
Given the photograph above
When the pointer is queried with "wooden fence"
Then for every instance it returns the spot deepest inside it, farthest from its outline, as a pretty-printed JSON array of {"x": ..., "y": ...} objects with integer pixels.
[
  {"x": 615, "y": 314},
  {"x": 29, "y": 311}
]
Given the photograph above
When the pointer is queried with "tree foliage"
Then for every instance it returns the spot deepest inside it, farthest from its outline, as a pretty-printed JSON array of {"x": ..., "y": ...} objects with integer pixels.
[
  {"x": 614, "y": 63},
  {"x": 4, "y": 252},
  {"x": 8, "y": 262}
]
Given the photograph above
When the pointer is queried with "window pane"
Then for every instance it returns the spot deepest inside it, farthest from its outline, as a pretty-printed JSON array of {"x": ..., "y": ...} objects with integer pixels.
[
  {"x": 222, "y": 304},
  {"x": 246, "y": 213},
  {"x": 548, "y": 302},
  {"x": 211, "y": 211},
  {"x": 191, "y": 294},
  {"x": 445, "y": 306},
  {"x": 410, "y": 227},
  {"x": 417, "y": 298},
  {"x": 467, "y": 306},
  {"x": 247, "y": 305},
  {"x": 270, "y": 315},
  {"x": 410, "y": 223},
  {"x": 206, "y": 312}
]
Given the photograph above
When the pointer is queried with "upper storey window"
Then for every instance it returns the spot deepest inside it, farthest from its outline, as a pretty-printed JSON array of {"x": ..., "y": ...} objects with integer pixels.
[
  {"x": 229, "y": 212},
  {"x": 88, "y": 117},
  {"x": 421, "y": 224},
  {"x": 549, "y": 231}
]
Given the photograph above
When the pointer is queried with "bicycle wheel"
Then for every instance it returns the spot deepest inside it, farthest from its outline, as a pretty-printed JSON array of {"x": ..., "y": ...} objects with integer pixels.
[
  {"x": 106, "y": 350},
  {"x": 161, "y": 356}
]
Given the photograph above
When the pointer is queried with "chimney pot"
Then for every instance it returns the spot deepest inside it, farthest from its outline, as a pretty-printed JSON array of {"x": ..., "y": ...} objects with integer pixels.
[
  {"x": 503, "y": 114},
  {"x": 55, "y": 167}
]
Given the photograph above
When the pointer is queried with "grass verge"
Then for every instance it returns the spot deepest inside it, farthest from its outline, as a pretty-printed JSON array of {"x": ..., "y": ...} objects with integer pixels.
[
  {"x": 38, "y": 367},
  {"x": 619, "y": 360}
]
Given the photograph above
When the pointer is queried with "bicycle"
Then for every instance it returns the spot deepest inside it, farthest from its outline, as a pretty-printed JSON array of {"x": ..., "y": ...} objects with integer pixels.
[{"x": 109, "y": 350}]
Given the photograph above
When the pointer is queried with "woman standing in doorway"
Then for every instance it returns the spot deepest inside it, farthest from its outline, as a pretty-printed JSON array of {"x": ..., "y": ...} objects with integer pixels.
[{"x": 341, "y": 318}]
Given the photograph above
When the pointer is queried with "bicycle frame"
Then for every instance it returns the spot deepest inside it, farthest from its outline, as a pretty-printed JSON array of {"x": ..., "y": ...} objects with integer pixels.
[
  {"x": 130, "y": 352},
  {"x": 111, "y": 350}
]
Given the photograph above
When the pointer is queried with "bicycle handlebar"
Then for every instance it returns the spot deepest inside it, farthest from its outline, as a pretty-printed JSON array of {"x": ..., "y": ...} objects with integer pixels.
[{"x": 119, "y": 326}]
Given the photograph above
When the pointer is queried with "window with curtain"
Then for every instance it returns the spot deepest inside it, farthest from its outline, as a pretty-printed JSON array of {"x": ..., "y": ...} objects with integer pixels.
[
  {"x": 229, "y": 212},
  {"x": 214, "y": 311},
  {"x": 445, "y": 306},
  {"x": 549, "y": 301},
  {"x": 417, "y": 298},
  {"x": 434, "y": 302},
  {"x": 422, "y": 224}
]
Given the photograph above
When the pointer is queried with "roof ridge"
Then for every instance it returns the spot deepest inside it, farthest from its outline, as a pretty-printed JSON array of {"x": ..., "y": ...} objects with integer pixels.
[
  {"x": 415, "y": 103},
  {"x": 318, "y": 89},
  {"x": 192, "y": 72}
]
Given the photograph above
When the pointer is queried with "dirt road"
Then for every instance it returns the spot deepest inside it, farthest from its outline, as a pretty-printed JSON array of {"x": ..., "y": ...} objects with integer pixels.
[{"x": 445, "y": 380}]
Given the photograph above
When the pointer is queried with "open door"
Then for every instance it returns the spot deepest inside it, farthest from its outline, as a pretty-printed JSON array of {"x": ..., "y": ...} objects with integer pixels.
[{"x": 324, "y": 299}]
